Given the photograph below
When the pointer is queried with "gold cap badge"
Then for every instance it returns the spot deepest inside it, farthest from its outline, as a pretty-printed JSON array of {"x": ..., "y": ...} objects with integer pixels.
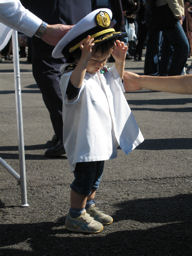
[{"x": 103, "y": 19}]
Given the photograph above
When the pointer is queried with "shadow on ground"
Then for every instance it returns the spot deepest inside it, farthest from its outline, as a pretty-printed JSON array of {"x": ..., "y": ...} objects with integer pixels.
[
  {"x": 172, "y": 235},
  {"x": 7, "y": 152},
  {"x": 140, "y": 105},
  {"x": 166, "y": 144}
]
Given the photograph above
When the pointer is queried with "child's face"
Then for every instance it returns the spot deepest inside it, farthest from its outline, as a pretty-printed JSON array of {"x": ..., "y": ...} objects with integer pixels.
[{"x": 97, "y": 61}]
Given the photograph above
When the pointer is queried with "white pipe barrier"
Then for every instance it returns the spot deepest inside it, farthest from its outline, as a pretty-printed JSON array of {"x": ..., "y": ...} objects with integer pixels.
[
  {"x": 19, "y": 119},
  {"x": 10, "y": 169},
  {"x": 22, "y": 177}
]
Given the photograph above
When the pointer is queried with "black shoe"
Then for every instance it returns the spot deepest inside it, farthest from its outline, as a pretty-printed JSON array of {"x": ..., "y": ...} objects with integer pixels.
[
  {"x": 137, "y": 58},
  {"x": 56, "y": 150},
  {"x": 52, "y": 142}
]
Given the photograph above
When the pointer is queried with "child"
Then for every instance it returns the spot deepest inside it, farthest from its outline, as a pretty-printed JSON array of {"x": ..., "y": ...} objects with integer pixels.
[{"x": 96, "y": 116}]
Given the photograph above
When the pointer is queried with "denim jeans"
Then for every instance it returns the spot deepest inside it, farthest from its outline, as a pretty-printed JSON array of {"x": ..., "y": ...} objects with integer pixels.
[
  {"x": 174, "y": 51},
  {"x": 167, "y": 51},
  {"x": 87, "y": 177}
]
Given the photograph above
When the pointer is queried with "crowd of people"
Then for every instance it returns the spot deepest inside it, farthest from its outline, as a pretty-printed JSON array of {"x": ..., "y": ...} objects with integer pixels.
[
  {"x": 78, "y": 95},
  {"x": 145, "y": 28},
  {"x": 167, "y": 38}
]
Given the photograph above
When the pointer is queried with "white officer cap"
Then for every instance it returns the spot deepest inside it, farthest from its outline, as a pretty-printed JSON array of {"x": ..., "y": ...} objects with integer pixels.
[{"x": 97, "y": 24}]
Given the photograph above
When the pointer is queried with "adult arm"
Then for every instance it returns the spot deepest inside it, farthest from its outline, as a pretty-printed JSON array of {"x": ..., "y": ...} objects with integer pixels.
[
  {"x": 172, "y": 84},
  {"x": 16, "y": 16}
]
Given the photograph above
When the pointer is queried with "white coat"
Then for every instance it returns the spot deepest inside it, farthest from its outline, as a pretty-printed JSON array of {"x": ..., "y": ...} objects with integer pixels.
[
  {"x": 98, "y": 120},
  {"x": 14, "y": 15}
]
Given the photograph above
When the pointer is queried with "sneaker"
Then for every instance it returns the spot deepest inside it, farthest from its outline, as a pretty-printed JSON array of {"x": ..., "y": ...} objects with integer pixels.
[
  {"x": 84, "y": 224},
  {"x": 99, "y": 215}
]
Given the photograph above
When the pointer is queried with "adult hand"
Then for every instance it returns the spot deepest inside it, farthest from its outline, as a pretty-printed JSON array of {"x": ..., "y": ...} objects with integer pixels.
[
  {"x": 131, "y": 81},
  {"x": 54, "y": 33}
]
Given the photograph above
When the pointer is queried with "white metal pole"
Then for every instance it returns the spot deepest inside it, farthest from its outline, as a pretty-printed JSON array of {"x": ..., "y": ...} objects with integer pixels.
[
  {"x": 9, "y": 169},
  {"x": 19, "y": 119}
]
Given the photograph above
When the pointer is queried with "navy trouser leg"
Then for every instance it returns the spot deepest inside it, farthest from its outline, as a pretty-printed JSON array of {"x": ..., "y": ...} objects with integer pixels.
[
  {"x": 47, "y": 75},
  {"x": 87, "y": 177},
  {"x": 152, "y": 53}
]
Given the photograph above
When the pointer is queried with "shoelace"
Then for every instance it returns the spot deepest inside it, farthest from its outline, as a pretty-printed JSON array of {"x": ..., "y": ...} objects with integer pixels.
[
  {"x": 96, "y": 210},
  {"x": 87, "y": 218}
]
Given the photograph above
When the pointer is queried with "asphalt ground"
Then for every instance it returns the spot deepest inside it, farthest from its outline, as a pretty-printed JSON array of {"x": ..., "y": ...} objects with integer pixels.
[{"x": 148, "y": 192}]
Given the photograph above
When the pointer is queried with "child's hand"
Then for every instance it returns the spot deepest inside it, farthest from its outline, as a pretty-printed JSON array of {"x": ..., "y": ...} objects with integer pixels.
[
  {"x": 86, "y": 48},
  {"x": 119, "y": 51},
  {"x": 79, "y": 72}
]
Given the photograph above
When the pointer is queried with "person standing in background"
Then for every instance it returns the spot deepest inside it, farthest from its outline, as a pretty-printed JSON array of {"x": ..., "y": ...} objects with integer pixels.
[
  {"x": 166, "y": 17},
  {"x": 141, "y": 31},
  {"x": 187, "y": 26},
  {"x": 46, "y": 69},
  {"x": 130, "y": 10},
  {"x": 188, "y": 22}
]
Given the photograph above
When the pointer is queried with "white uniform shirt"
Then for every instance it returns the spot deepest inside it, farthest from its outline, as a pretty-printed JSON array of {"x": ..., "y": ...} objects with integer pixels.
[
  {"x": 98, "y": 120},
  {"x": 14, "y": 15}
]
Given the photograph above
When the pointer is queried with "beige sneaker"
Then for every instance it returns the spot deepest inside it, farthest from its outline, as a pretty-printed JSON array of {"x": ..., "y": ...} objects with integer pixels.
[
  {"x": 84, "y": 224},
  {"x": 99, "y": 215}
]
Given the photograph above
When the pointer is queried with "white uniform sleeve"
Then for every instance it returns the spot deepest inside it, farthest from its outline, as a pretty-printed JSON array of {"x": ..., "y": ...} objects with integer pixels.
[
  {"x": 14, "y": 15},
  {"x": 116, "y": 77}
]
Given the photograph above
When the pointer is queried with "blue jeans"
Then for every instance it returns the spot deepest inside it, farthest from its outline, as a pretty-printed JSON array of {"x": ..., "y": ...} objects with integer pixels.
[
  {"x": 174, "y": 51},
  {"x": 167, "y": 51},
  {"x": 87, "y": 177}
]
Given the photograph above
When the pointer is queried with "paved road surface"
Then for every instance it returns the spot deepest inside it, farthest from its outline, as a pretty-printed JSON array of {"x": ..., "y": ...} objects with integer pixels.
[{"x": 148, "y": 192}]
